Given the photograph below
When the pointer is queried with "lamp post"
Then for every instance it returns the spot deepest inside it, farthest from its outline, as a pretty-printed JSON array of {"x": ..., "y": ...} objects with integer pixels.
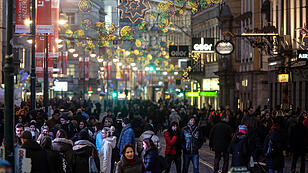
[
  {"x": 9, "y": 89},
  {"x": 46, "y": 82},
  {"x": 33, "y": 72}
]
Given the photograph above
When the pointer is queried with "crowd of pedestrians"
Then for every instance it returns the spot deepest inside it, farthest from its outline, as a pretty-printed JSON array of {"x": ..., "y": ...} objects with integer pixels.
[{"x": 79, "y": 137}]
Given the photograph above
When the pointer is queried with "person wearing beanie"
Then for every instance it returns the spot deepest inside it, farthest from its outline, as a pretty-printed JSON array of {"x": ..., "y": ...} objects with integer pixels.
[
  {"x": 220, "y": 139},
  {"x": 127, "y": 135},
  {"x": 5, "y": 166},
  {"x": 34, "y": 152},
  {"x": 53, "y": 158},
  {"x": 239, "y": 148},
  {"x": 192, "y": 141}
]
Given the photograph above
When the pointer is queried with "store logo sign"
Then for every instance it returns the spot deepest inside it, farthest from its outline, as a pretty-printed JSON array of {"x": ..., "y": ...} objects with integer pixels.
[
  {"x": 224, "y": 47},
  {"x": 205, "y": 45},
  {"x": 178, "y": 51},
  {"x": 302, "y": 54}
]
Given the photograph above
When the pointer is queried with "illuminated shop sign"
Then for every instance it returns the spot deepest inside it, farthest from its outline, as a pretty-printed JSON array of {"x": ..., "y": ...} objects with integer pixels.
[
  {"x": 302, "y": 54},
  {"x": 178, "y": 51},
  {"x": 205, "y": 45},
  {"x": 224, "y": 47}
]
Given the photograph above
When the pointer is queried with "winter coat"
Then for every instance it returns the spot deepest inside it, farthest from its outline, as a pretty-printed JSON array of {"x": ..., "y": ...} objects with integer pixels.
[
  {"x": 99, "y": 141},
  {"x": 173, "y": 143},
  {"x": 151, "y": 162},
  {"x": 238, "y": 149},
  {"x": 54, "y": 161},
  {"x": 124, "y": 167},
  {"x": 220, "y": 137},
  {"x": 37, "y": 155},
  {"x": 174, "y": 117},
  {"x": 276, "y": 160},
  {"x": 147, "y": 134},
  {"x": 192, "y": 140},
  {"x": 83, "y": 149},
  {"x": 106, "y": 153},
  {"x": 65, "y": 148},
  {"x": 297, "y": 138},
  {"x": 127, "y": 136}
]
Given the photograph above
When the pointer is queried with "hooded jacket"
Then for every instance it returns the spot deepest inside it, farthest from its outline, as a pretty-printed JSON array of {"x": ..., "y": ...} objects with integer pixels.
[
  {"x": 37, "y": 155},
  {"x": 238, "y": 149},
  {"x": 148, "y": 134},
  {"x": 83, "y": 149},
  {"x": 106, "y": 152}
]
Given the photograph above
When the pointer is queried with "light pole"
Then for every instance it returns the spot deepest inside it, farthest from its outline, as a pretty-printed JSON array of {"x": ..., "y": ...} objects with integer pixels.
[
  {"x": 46, "y": 82},
  {"x": 9, "y": 89},
  {"x": 33, "y": 72}
]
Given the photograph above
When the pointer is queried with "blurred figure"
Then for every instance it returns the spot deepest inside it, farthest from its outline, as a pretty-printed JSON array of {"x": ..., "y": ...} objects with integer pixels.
[
  {"x": 53, "y": 158},
  {"x": 5, "y": 167},
  {"x": 148, "y": 133},
  {"x": 151, "y": 161}
]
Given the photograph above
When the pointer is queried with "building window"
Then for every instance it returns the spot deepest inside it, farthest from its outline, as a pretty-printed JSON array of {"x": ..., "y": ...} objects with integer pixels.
[
  {"x": 71, "y": 70},
  {"x": 71, "y": 18}
]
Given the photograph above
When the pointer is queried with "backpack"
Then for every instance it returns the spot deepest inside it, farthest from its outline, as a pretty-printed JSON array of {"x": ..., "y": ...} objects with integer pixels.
[{"x": 162, "y": 162}]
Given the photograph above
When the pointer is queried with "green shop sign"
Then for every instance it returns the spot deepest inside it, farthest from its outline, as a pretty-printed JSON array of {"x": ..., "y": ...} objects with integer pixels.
[{"x": 205, "y": 94}]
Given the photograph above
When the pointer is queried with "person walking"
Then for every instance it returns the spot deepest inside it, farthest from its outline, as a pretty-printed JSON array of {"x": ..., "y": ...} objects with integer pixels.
[
  {"x": 85, "y": 152},
  {"x": 191, "y": 143},
  {"x": 148, "y": 133},
  {"x": 53, "y": 158},
  {"x": 239, "y": 149},
  {"x": 273, "y": 149},
  {"x": 173, "y": 146},
  {"x": 220, "y": 138},
  {"x": 129, "y": 162},
  {"x": 65, "y": 148},
  {"x": 34, "y": 152},
  {"x": 127, "y": 135},
  {"x": 150, "y": 159},
  {"x": 105, "y": 154}
]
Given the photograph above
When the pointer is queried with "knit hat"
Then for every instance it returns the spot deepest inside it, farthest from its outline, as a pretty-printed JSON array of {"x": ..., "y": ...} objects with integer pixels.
[
  {"x": 4, "y": 163},
  {"x": 26, "y": 135},
  {"x": 126, "y": 121},
  {"x": 242, "y": 129},
  {"x": 64, "y": 116}
]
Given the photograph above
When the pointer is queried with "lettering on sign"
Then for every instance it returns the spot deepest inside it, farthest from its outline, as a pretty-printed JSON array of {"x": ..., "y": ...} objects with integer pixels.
[
  {"x": 178, "y": 51},
  {"x": 302, "y": 54},
  {"x": 203, "y": 45}
]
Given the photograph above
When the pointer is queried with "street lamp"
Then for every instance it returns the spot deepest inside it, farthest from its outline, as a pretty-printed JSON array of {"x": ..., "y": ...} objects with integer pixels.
[
  {"x": 92, "y": 55},
  {"x": 71, "y": 50}
]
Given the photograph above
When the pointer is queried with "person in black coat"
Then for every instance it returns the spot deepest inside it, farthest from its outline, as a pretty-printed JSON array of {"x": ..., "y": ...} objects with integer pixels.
[
  {"x": 34, "y": 152},
  {"x": 53, "y": 158},
  {"x": 83, "y": 150},
  {"x": 273, "y": 150},
  {"x": 298, "y": 144},
  {"x": 151, "y": 162},
  {"x": 220, "y": 138},
  {"x": 239, "y": 149}
]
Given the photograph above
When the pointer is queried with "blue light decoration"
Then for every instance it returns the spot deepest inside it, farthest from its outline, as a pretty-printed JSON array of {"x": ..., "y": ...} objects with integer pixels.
[{"x": 134, "y": 9}]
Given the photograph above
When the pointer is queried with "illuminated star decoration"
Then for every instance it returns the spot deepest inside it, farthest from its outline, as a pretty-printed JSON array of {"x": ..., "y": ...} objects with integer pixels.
[{"x": 134, "y": 9}]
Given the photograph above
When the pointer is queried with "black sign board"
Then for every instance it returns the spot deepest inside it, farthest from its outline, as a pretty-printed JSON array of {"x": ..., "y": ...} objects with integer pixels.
[
  {"x": 302, "y": 54},
  {"x": 178, "y": 51},
  {"x": 205, "y": 45}
]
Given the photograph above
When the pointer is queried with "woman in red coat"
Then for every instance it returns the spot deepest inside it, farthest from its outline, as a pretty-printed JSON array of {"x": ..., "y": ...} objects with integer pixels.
[{"x": 173, "y": 146}]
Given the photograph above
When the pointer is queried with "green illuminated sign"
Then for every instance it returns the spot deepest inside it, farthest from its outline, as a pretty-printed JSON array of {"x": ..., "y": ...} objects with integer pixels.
[
  {"x": 208, "y": 94},
  {"x": 192, "y": 94}
]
